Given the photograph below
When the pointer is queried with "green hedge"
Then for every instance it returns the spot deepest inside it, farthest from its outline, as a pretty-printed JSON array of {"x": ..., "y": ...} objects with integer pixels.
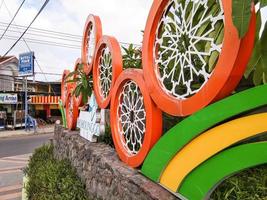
[{"x": 50, "y": 179}]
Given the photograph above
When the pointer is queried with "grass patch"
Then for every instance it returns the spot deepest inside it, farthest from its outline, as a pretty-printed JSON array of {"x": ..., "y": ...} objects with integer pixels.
[
  {"x": 51, "y": 179},
  {"x": 250, "y": 184}
]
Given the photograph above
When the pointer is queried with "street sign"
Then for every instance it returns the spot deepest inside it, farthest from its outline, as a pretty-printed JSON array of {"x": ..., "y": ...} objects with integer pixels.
[
  {"x": 8, "y": 98},
  {"x": 26, "y": 64}
]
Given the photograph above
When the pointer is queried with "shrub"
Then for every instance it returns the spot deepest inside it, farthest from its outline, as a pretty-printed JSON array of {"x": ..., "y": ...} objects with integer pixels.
[
  {"x": 250, "y": 184},
  {"x": 52, "y": 179}
]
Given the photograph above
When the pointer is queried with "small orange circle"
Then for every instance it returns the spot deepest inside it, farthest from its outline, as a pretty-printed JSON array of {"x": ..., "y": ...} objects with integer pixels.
[
  {"x": 91, "y": 35},
  {"x": 136, "y": 122},
  {"x": 72, "y": 112},
  {"x": 79, "y": 99},
  {"x": 107, "y": 67}
]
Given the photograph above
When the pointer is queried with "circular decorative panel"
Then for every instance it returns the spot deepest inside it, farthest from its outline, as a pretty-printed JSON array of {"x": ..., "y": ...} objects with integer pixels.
[
  {"x": 107, "y": 67},
  {"x": 72, "y": 112},
  {"x": 188, "y": 41},
  {"x": 190, "y": 48},
  {"x": 92, "y": 34},
  {"x": 136, "y": 122},
  {"x": 79, "y": 99}
]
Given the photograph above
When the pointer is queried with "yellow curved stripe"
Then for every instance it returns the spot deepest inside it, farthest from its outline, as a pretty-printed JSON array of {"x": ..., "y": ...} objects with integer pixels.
[{"x": 208, "y": 144}]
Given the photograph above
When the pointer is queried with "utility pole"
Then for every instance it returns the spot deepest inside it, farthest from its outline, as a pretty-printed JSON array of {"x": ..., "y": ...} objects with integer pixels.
[
  {"x": 26, "y": 101},
  {"x": 26, "y": 69}
]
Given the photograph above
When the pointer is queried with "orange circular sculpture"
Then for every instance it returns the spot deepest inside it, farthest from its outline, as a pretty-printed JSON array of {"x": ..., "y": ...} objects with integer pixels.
[
  {"x": 107, "y": 67},
  {"x": 77, "y": 100},
  {"x": 136, "y": 122},
  {"x": 244, "y": 54},
  {"x": 64, "y": 87},
  {"x": 91, "y": 35},
  {"x": 72, "y": 112},
  {"x": 191, "y": 68}
]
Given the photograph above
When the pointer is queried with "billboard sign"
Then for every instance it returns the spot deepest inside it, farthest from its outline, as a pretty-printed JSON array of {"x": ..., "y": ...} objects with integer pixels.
[
  {"x": 8, "y": 98},
  {"x": 26, "y": 64}
]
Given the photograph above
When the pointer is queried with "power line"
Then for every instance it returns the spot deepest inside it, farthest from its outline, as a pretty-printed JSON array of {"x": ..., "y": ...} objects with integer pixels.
[
  {"x": 39, "y": 30},
  {"x": 39, "y": 12},
  {"x": 1, "y": 4},
  {"x": 47, "y": 36},
  {"x": 30, "y": 50},
  {"x": 12, "y": 19},
  {"x": 45, "y": 42}
]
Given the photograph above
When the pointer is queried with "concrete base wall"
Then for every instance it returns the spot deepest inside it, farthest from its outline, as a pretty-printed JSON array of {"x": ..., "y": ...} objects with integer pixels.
[{"x": 99, "y": 167}]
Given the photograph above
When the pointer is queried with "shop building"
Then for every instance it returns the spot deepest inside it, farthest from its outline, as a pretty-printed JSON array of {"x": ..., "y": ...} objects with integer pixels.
[{"x": 42, "y": 96}]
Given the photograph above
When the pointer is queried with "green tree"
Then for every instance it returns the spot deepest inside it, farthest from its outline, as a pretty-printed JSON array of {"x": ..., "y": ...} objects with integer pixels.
[{"x": 132, "y": 57}]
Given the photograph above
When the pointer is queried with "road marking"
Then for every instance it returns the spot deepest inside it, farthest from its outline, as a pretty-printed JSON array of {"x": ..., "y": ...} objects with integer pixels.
[
  {"x": 11, "y": 170},
  {"x": 13, "y": 161},
  {"x": 10, "y": 196},
  {"x": 10, "y": 187},
  {"x": 16, "y": 158}
]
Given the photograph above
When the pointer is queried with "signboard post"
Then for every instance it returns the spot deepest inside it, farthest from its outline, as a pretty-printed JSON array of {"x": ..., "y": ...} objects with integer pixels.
[{"x": 26, "y": 68}]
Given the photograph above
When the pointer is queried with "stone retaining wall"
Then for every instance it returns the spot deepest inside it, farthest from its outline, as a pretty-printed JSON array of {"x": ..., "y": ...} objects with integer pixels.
[{"x": 99, "y": 167}]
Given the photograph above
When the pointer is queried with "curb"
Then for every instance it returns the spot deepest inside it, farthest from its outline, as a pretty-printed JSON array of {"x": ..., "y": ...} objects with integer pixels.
[
  {"x": 26, "y": 134},
  {"x": 25, "y": 182},
  {"x": 20, "y": 135}
]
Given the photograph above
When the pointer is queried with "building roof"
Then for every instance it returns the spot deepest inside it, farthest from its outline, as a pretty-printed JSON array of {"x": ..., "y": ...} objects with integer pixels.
[{"x": 6, "y": 59}]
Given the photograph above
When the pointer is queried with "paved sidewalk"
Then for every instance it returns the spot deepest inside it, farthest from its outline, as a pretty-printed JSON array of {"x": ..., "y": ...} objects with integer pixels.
[
  {"x": 21, "y": 132},
  {"x": 11, "y": 176}
]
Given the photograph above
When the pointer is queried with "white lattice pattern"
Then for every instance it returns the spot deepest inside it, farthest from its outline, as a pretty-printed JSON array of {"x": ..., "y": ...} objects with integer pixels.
[
  {"x": 188, "y": 42},
  {"x": 90, "y": 43},
  {"x": 132, "y": 118},
  {"x": 105, "y": 72}
]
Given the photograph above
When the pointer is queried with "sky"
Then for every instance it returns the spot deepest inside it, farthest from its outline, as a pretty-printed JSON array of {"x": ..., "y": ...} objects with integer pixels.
[{"x": 123, "y": 19}]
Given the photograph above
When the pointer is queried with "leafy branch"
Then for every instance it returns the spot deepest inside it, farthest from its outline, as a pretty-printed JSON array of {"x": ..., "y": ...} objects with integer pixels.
[
  {"x": 257, "y": 66},
  {"x": 83, "y": 83},
  {"x": 132, "y": 57}
]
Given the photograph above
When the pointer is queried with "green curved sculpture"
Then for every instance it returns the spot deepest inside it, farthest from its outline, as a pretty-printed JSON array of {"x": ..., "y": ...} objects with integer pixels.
[
  {"x": 201, "y": 181},
  {"x": 175, "y": 139}
]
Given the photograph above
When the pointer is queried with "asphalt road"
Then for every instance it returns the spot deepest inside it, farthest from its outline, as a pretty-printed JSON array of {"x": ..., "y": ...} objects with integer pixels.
[{"x": 22, "y": 144}]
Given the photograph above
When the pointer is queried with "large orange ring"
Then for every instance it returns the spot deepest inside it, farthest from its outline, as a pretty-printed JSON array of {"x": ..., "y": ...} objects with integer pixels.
[
  {"x": 116, "y": 65},
  {"x": 218, "y": 79},
  {"x": 95, "y": 22},
  {"x": 64, "y": 88},
  {"x": 244, "y": 53},
  {"x": 153, "y": 118},
  {"x": 71, "y": 118},
  {"x": 77, "y": 100}
]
